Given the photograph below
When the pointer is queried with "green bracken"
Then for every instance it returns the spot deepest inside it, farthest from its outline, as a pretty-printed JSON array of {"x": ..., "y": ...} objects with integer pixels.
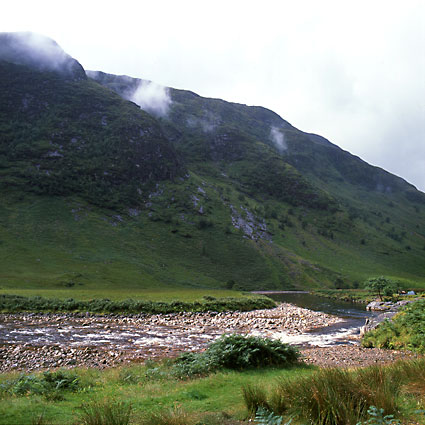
[{"x": 406, "y": 331}]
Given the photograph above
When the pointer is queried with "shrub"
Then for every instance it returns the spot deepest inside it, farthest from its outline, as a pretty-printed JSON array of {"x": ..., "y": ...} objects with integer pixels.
[
  {"x": 265, "y": 417},
  {"x": 242, "y": 352},
  {"x": 50, "y": 384},
  {"x": 376, "y": 417},
  {"x": 15, "y": 303},
  {"x": 236, "y": 352}
]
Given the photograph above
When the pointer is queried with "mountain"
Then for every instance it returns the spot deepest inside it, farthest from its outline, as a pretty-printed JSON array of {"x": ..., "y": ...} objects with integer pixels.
[
  {"x": 39, "y": 53},
  {"x": 115, "y": 182}
]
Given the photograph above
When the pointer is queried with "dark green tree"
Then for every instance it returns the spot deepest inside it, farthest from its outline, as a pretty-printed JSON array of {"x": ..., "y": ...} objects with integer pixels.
[{"x": 381, "y": 286}]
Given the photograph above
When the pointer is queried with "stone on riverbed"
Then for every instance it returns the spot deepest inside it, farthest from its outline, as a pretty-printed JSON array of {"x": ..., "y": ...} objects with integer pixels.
[{"x": 67, "y": 340}]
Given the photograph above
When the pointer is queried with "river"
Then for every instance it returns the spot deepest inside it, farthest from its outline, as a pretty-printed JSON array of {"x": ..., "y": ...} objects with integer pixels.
[
  {"x": 158, "y": 333},
  {"x": 347, "y": 331}
]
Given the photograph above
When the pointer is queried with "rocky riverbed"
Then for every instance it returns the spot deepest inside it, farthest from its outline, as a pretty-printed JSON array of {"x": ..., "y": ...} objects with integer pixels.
[{"x": 40, "y": 341}]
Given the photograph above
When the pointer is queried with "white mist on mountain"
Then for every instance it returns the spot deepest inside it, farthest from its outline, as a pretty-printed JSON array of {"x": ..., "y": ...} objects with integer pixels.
[
  {"x": 152, "y": 98},
  {"x": 207, "y": 123},
  {"x": 278, "y": 138}
]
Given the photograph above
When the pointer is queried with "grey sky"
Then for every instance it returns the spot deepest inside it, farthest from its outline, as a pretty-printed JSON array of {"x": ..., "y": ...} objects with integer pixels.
[{"x": 351, "y": 71}]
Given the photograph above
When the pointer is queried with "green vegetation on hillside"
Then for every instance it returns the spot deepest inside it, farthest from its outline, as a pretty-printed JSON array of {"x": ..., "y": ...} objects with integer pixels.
[
  {"x": 61, "y": 137},
  {"x": 99, "y": 195}
]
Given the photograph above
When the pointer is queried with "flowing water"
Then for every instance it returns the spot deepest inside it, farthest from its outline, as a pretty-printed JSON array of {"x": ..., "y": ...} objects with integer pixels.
[
  {"x": 72, "y": 332},
  {"x": 354, "y": 316}
]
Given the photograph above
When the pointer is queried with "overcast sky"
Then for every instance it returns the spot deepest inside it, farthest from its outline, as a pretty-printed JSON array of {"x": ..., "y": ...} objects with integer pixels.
[{"x": 352, "y": 71}]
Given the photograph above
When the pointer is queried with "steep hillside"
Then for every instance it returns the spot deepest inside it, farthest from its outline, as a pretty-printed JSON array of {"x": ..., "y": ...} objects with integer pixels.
[
  {"x": 195, "y": 192},
  {"x": 61, "y": 136},
  {"x": 215, "y": 130}
]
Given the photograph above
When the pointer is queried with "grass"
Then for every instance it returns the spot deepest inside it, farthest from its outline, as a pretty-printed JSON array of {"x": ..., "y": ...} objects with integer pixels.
[
  {"x": 45, "y": 249},
  {"x": 149, "y": 392},
  {"x": 355, "y": 295},
  {"x": 163, "y": 295},
  {"x": 15, "y": 304},
  {"x": 105, "y": 412},
  {"x": 151, "y": 395},
  {"x": 337, "y": 396}
]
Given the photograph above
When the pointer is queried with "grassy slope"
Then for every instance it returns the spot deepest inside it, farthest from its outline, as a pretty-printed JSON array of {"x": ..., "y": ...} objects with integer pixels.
[
  {"x": 327, "y": 226},
  {"x": 45, "y": 246},
  {"x": 377, "y": 230}
]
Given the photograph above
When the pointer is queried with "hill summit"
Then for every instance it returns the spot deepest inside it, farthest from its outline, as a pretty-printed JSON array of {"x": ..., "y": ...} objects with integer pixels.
[{"x": 40, "y": 53}]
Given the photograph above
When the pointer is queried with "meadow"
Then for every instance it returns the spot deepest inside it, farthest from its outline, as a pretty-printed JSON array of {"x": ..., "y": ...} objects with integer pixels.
[{"x": 152, "y": 394}]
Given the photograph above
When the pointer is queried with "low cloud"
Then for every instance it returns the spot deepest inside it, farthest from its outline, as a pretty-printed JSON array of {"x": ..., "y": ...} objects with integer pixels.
[
  {"x": 208, "y": 123},
  {"x": 152, "y": 98},
  {"x": 37, "y": 51},
  {"x": 278, "y": 138}
]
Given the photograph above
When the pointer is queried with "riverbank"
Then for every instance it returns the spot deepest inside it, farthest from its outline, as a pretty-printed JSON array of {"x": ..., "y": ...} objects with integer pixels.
[
  {"x": 30, "y": 341},
  {"x": 42, "y": 341}
]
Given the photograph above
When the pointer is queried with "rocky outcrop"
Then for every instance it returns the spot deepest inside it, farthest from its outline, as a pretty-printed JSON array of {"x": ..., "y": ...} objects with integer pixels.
[
  {"x": 388, "y": 311},
  {"x": 386, "y": 305}
]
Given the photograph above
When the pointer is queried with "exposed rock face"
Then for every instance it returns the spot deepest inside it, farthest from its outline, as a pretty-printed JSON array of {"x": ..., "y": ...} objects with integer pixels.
[
  {"x": 40, "y": 53},
  {"x": 388, "y": 310},
  {"x": 253, "y": 227}
]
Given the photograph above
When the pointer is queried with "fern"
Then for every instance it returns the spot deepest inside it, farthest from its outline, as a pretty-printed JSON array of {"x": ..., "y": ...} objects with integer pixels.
[
  {"x": 377, "y": 418},
  {"x": 264, "y": 417}
]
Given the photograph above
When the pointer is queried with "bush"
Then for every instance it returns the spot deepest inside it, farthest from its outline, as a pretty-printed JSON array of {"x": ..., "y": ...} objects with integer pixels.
[
  {"x": 242, "y": 352},
  {"x": 236, "y": 352},
  {"x": 377, "y": 418},
  {"x": 405, "y": 331},
  {"x": 265, "y": 417},
  {"x": 50, "y": 384}
]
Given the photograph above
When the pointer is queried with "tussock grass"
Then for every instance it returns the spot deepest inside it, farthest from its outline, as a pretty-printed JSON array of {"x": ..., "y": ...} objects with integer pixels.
[
  {"x": 254, "y": 397},
  {"x": 105, "y": 412},
  {"x": 336, "y": 396},
  {"x": 173, "y": 416}
]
